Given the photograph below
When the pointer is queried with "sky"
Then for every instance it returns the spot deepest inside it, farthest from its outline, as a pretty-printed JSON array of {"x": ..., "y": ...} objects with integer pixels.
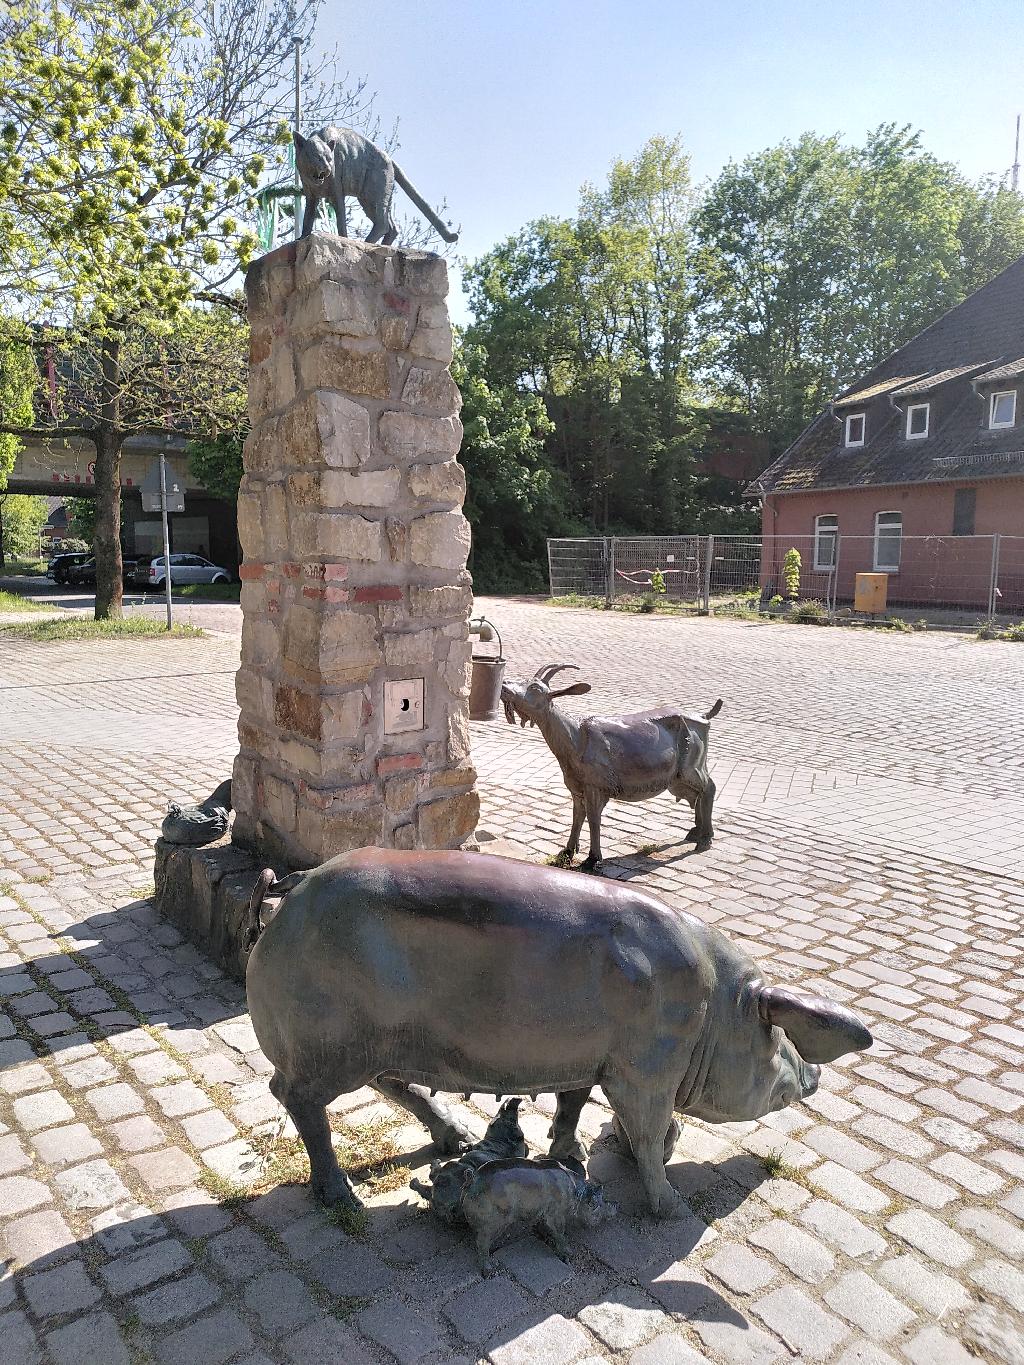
[{"x": 505, "y": 109}]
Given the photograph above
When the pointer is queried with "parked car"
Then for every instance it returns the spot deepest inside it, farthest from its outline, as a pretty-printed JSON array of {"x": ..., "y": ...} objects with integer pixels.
[
  {"x": 83, "y": 572},
  {"x": 60, "y": 565},
  {"x": 184, "y": 569}
]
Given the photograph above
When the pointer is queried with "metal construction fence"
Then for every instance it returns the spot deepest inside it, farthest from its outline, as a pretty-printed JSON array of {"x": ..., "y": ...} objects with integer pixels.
[{"x": 981, "y": 576}]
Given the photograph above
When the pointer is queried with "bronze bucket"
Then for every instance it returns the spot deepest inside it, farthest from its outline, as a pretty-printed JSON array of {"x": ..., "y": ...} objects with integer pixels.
[{"x": 487, "y": 673}]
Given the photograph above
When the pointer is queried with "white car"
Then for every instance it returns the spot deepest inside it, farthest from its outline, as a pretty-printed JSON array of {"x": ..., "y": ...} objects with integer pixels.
[{"x": 184, "y": 569}]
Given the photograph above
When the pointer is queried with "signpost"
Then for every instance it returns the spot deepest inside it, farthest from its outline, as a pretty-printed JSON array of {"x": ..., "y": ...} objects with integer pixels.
[{"x": 156, "y": 497}]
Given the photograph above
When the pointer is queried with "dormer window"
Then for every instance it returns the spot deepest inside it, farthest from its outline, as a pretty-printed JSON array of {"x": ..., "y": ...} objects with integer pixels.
[
  {"x": 1002, "y": 409},
  {"x": 918, "y": 421},
  {"x": 855, "y": 429}
]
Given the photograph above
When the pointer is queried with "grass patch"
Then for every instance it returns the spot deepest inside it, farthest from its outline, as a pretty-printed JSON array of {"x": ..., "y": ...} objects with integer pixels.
[
  {"x": 208, "y": 592},
  {"x": 356, "y": 1222},
  {"x": 13, "y": 601},
  {"x": 645, "y": 849},
  {"x": 777, "y": 1168},
  {"x": 1012, "y": 634},
  {"x": 559, "y": 859},
  {"x": 85, "y": 628},
  {"x": 227, "y": 1193},
  {"x": 24, "y": 568}
]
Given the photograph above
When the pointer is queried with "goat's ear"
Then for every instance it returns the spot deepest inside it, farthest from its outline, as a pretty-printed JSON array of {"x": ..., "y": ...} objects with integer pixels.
[{"x": 574, "y": 690}]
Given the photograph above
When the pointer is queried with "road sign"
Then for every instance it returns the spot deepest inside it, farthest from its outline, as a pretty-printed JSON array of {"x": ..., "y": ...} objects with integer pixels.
[{"x": 150, "y": 488}]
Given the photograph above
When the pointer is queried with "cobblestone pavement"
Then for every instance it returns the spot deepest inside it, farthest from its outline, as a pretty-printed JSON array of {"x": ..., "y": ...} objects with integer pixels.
[{"x": 869, "y": 832}]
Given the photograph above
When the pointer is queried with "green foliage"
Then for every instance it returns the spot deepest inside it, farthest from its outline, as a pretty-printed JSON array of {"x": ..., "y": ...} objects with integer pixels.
[
  {"x": 217, "y": 463},
  {"x": 809, "y": 613},
  {"x": 13, "y": 601},
  {"x": 657, "y": 582},
  {"x": 1011, "y": 634},
  {"x": 513, "y": 497},
  {"x": 21, "y": 519},
  {"x": 818, "y": 259},
  {"x": 82, "y": 519},
  {"x": 17, "y": 384},
  {"x": 85, "y": 628},
  {"x": 791, "y": 565}
]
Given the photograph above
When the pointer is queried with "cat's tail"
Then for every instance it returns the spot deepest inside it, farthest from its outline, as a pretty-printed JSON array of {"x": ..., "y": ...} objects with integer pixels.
[{"x": 423, "y": 206}]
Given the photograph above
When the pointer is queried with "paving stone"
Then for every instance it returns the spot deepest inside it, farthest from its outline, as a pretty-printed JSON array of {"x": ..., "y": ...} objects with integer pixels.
[
  {"x": 935, "y": 1292},
  {"x": 241, "y": 1255},
  {"x": 554, "y": 1341},
  {"x": 534, "y": 1265},
  {"x": 19, "y": 1193},
  {"x": 326, "y": 1342},
  {"x": 798, "y": 1251},
  {"x": 841, "y": 1148},
  {"x": 174, "y": 1302},
  {"x": 810, "y": 1332},
  {"x": 487, "y": 1307},
  {"x": 666, "y": 1350},
  {"x": 208, "y": 1129},
  {"x": 622, "y": 1318},
  {"x": 848, "y": 1189},
  {"x": 916, "y": 1184},
  {"x": 184, "y": 1097},
  {"x": 168, "y": 1169},
  {"x": 934, "y": 1347},
  {"x": 681, "y": 1289},
  {"x": 860, "y": 1300},
  {"x": 126, "y": 1228},
  {"x": 234, "y": 1161},
  {"x": 1002, "y": 1279},
  {"x": 195, "y": 1214},
  {"x": 865, "y": 1353},
  {"x": 977, "y": 1179},
  {"x": 41, "y": 1110},
  {"x": 13, "y": 1156},
  {"x": 64, "y": 1146},
  {"x": 92, "y": 1185},
  {"x": 40, "y": 1239},
  {"x": 115, "y": 1102},
  {"x": 138, "y": 1134},
  {"x": 211, "y": 1339},
  {"x": 19, "y": 1340},
  {"x": 730, "y": 1336},
  {"x": 281, "y": 1301},
  {"x": 935, "y": 1239},
  {"x": 407, "y": 1334},
  {"x": 139, "y": 1269},
  {"x": 65, "y": 1289},
  {"x": 90, "y": 1071},
  {"x": 740, "y": 1269},
  {"x": 96, "y": 1337},
  {"x": 29, "y": 1075},
  {"x": 842, "y": 1230},
  {"x": 997, "y": 1231}
]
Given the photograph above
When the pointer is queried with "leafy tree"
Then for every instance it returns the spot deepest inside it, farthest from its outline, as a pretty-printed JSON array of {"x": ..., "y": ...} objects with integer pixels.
[
  {"x": 135, "y": 133},
  {"x": 21, "y": 519},
  {"x": 217, "y": 462},
  {"x": 82, "y": 519},
  {"x": 513, "y": 497},
  {"x": 17, "y": 384}
]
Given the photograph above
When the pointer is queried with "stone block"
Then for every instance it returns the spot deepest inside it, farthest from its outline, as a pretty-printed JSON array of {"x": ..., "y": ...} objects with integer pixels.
[
  {"x": 432, "y": 338},
  {"x": 335, "y": 309},
  {"x": 316, "y": 534},
  {"x": 449, "y": 821},
  {"x": 440, "y": 540},
  {"x": 342, "y": 830},
  {"x": 348, "y": 368},
  {"x": 378, "y": 488},
  {"x": 423, "y": 273},
  {"x": 444, "y": 482},
  {"x": 406, "y": 437},
  {"x": 431, "y": 390}
]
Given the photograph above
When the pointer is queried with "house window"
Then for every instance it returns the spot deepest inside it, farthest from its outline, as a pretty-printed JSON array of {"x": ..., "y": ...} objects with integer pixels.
[
  {"x": 888, "y": 536},
  {"x": 964, "y": 500},
  {"x": 1002, "y": 410},
  {"x": 826, "y": 530},
  {"x": 917, "y": 421},
  {"x": 855, "y": 429}
]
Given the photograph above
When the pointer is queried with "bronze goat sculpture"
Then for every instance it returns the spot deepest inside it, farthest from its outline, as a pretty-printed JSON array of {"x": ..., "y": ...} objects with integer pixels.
[{"x": 618, "y": 758}]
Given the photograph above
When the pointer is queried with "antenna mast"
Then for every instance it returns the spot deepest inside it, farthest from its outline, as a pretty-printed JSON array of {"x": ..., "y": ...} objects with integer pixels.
[{"x": 1015, "y": 172}]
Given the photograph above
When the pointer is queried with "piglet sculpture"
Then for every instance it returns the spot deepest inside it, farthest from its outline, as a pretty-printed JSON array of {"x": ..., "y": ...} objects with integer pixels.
[
  {"x": 467, "y": 972},
  {"x": 448, "y": 1179},
  {"x": 546, "y": 1194},
  {"x": 618, "y": 758}
]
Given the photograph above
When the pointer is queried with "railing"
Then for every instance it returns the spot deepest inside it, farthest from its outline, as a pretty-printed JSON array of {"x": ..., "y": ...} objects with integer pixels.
[{"x": 978, "y": 575}]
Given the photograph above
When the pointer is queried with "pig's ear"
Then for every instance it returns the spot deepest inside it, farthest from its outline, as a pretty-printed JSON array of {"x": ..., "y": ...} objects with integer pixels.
[{"x": 819, "y": 1029}]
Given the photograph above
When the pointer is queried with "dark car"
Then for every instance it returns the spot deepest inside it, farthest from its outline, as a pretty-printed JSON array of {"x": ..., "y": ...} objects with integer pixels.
[
  {"x": 83, "y": 573},
  {"x": 60, "y": 566}
]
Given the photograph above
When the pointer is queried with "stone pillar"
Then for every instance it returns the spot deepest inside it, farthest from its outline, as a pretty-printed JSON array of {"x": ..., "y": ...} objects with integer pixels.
[{"x": 353, "y": 685}]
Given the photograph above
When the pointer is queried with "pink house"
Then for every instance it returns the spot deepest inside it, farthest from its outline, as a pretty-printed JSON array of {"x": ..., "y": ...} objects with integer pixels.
[{"x": 917, "y": 470}]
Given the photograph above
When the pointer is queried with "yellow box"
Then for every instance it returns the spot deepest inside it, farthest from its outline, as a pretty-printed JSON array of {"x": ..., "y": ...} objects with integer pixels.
[{"x": 870, "y": 592}]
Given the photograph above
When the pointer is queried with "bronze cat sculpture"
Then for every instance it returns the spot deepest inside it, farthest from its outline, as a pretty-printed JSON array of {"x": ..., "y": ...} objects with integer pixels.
[{"x": 336, "y": 162}]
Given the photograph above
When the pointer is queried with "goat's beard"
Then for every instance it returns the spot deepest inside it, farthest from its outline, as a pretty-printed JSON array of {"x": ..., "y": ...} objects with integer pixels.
[{"x": 510, "y": 716}]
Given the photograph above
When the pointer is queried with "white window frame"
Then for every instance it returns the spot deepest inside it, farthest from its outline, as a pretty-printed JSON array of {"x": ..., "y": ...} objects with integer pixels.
[
  {"x": 917, "y": 407},
  {"x": 821, "y": 531},
  {"x": 854, "y": 417},
  {"x": 887, "y": 568},
  {"x": 993, "y": 398}
]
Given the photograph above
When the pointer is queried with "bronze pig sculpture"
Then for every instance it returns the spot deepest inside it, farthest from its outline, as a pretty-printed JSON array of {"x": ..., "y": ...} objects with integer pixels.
[
  {"x": 448, "y": 1179},
  {"x": 469, "y": 972},
  {"x": 547, "y": 1194},
  {"x": 618, "y": 758}
]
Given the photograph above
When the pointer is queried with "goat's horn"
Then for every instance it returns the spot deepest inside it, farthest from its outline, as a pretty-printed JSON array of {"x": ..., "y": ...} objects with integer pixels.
[{"x": 547, "y": 671}]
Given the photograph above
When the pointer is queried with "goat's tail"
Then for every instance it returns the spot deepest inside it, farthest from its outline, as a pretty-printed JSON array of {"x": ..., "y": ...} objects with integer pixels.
[
  {"x": 266, "y": 884},
  {"x": 710, "y": 715}
]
